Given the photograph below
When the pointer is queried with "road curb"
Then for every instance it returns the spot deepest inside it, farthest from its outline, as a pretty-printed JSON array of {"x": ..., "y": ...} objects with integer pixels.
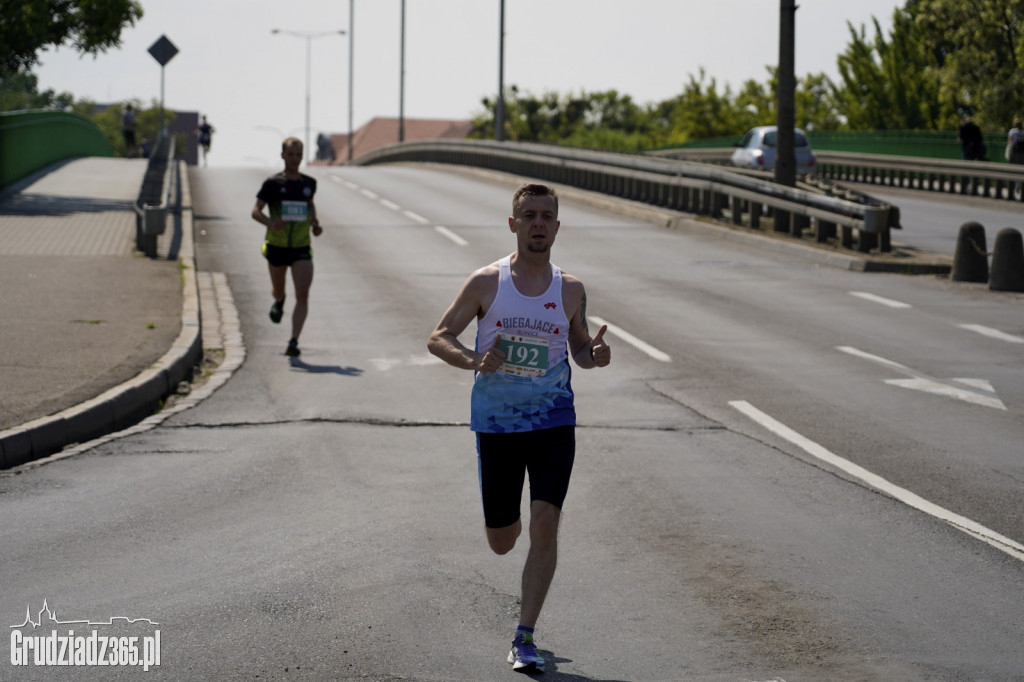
[{"x": 136, "y": 399}]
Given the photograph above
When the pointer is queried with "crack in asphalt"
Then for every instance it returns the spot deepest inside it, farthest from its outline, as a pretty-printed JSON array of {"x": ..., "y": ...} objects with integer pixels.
[{"x": 427, "y": 423}]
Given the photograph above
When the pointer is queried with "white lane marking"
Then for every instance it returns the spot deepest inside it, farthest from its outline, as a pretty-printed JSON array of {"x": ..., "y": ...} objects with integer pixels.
[
  {"x": 342, "y": 181},
  {"x": 387, "y": 364},
  {"x": 451, "y": 235},
  {"x": 976, "y": 391},
  {"x": 993, "y": 333},
  {"x": 878, "y": 299},
  {"x": 1000, "y": 542},
  {"x": 632, "y": 340},
  {"x": 415, "y": 217},
  {"x": 390, "y": 204},
  {"x": 874, "y": 358},
  {"x": 368, "y": 194}
]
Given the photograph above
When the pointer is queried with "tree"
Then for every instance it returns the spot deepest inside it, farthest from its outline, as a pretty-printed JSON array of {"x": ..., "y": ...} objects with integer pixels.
[
  {"x": 108, "y": 120},
  {"x": 21, "y": 91},
  {"x": 90, "y": 26},
  {"x": 979, "y": 46},
  {"x": 891, "y": 84},
  {"x": 817, "y": 107},
  {"x": 602, "y": 120},
  {"x": 702, "y": 111}
]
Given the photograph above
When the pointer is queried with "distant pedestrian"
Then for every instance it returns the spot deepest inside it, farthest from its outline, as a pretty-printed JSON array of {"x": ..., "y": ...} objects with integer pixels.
[
  {"x": 128, "y": 130},
  {"x": 205, "y": 133},
  {"x": 971, "y": 142},
  {"x": 1015, "y": 143},
  {"x": 289, "y": 196},
  {"x": 324, "y": 148}
]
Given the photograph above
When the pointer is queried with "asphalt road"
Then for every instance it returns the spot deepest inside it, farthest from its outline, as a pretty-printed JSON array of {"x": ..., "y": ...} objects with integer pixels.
[
  {"x": 931, "y": 221},
  {"x": 774, "y": 485}
]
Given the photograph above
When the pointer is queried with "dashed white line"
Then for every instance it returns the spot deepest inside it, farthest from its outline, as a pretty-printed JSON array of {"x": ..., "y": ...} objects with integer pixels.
[
  {"x": 1000, "y": 542},
  {"x": 640, "y": 345},
  {"x": 390, "y": 204},
  {"x": 879, "y": 299},
  {"x": 992, "y": 333},
  {"x": 874, "y": 358},
  {"x": 415, "y": 217},
  {"x": 451, "y": 235},
  {"x": 368, "y": 194},
  {"x": 342, "y": 181}
]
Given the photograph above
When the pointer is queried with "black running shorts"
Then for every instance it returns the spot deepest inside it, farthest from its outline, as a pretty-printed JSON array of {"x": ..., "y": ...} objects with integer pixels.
[
  {"x": 504, "y": 459},
  {"x": 280, "y": 256}
]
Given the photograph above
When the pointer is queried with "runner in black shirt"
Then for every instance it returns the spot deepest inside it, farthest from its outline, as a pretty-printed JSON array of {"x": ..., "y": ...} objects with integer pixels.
[{"x": 289, "y": 196}]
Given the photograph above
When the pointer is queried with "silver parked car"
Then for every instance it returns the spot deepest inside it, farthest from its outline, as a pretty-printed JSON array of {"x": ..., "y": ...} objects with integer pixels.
[{"x": 757, "y": 150}]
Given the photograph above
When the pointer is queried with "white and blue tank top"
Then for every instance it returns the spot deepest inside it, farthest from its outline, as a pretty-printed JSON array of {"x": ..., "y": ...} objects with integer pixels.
[{"x": 532, "y": 390}]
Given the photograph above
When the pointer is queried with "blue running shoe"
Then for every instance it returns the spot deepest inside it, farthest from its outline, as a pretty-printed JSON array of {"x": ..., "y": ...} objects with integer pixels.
[{"x": 524, "y": 657}]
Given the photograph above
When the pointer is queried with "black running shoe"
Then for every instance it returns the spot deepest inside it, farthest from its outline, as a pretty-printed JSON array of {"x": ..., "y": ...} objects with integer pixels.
[
  {"x": 292, "y": 350},
  {"x": 277, "y": 311}
]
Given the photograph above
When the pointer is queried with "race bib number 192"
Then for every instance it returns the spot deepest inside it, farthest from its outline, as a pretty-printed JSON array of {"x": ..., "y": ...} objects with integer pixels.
[{"x": 525, "y": 356}]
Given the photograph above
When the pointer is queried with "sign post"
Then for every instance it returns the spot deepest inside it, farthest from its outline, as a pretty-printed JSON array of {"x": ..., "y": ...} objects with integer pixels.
[{"x": 163, "y": 51}]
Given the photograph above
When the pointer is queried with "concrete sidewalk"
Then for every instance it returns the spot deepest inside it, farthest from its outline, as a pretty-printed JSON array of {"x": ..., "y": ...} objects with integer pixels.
[{"x": 94, "y": 335}]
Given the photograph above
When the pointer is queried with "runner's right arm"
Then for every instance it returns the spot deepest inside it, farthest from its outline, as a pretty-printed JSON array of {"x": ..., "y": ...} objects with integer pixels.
[
  {"x": 259, "y": 216},
  {"x": 470, "y": 303}
]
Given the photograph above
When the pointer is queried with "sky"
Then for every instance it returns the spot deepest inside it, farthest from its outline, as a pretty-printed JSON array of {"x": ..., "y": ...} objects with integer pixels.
[{"x": 251, "y": 83}]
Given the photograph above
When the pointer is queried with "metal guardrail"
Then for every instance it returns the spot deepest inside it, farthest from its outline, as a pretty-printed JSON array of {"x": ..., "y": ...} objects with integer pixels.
[
  {"x": 157, "y": 186},
  {"x": 972, "y": 178},
  {"x": 679, "y": 185}
]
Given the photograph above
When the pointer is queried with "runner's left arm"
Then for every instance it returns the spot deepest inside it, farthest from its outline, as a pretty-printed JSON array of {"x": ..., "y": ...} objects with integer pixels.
[
  {"x": 586, "y": 352},
  {"x": 313, "y": 220}
]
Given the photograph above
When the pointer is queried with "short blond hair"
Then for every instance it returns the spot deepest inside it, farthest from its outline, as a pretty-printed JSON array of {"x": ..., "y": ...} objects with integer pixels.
[{"x": 290, "y": 141}]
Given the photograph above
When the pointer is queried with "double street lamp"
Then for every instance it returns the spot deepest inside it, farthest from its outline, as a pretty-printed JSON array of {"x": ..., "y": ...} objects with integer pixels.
[{"x": 308, "y": 35}]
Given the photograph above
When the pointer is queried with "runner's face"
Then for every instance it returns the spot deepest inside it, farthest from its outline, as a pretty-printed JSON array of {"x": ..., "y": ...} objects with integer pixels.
[
  {"x": 292, "y": 157},
  {"x": 535, "y": 222}
]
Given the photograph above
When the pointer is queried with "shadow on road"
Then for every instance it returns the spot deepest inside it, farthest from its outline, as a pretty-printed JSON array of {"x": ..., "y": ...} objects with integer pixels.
[
  {"x": 551, "y": 673},
  {"x": 296, "y": 363}
]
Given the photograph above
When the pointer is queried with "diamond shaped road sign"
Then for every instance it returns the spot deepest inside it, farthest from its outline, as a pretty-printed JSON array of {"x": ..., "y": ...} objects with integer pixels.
[{"x": 163, "y": 50}]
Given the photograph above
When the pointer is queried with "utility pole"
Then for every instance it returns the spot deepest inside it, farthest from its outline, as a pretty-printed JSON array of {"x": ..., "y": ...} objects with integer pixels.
[
  {"x": 785, "y": 155},
  {"x": 785, "y": 152},
  {"x": 401, "y": 82},
  {"x": 499, "y": 110},
  {"x": 351, "y": 57}
]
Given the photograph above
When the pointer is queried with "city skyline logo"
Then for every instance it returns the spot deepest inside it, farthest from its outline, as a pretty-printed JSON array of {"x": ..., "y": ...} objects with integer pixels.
[
  {"x": 52, "y": 618},
  {"x": 58, "y": 643}
]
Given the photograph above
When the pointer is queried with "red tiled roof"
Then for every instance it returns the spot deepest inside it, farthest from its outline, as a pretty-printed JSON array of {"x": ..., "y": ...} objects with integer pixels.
[{"x": 381, "y": 132}]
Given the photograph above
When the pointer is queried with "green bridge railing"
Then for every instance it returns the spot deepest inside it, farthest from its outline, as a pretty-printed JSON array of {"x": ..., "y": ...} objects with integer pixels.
[{"x": 32, "y": 140}]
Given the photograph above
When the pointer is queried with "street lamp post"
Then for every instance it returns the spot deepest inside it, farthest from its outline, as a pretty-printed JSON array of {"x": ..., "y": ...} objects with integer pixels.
[
  {"x": 499, "y": 107},
  {"x": 401, "y": 80},
  {"x": 351, "y": 57},
  {"x": 308, "y": 35}
]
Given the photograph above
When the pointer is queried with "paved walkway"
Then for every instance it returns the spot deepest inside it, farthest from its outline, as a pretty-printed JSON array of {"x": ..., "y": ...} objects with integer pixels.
[{"x": 83, "y": 312}]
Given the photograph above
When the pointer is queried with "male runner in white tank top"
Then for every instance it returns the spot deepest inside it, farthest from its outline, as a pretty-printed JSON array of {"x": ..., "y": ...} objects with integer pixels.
[{"x": 530, "y": 318}]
